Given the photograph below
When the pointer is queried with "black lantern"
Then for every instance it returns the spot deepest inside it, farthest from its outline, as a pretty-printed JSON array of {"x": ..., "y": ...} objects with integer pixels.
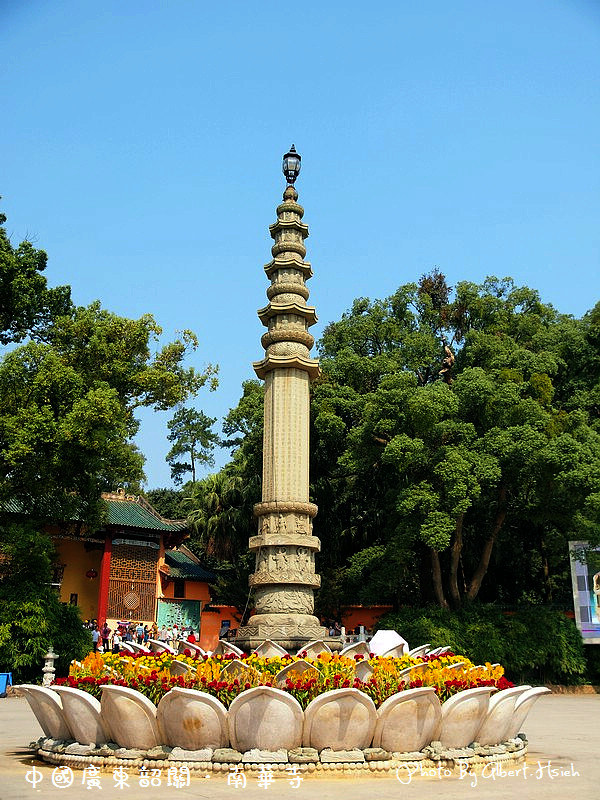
[{"x": 291, "y": 165}]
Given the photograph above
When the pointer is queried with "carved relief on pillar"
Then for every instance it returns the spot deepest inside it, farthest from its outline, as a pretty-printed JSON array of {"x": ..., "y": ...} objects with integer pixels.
[
  {"x": 285, "y": 564},
  {"x": 292, "y": 600},
  {"x": 286, "y": 560},
  {"x": 300, "y": 524}
]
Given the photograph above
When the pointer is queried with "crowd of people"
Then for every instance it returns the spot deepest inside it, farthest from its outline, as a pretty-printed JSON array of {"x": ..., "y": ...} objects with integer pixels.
[{"x": 104, "y": 639}]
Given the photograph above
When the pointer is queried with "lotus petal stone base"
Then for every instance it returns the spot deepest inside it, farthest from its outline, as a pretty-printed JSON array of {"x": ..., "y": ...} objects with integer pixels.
[
  {"x": 192, "y": 720},
  {"x": 224, "y": 648},
  {"x": 314, "y": 649},
  {"x": 356, "y": 649},
  {"x": 408, "y": 721},
  {"x": 296, "y": 668},
  {"x": 239, "y": 669},
  {"x": 129, "y": 717},
  {"x": 388, "y": 642},
  {"x": 500, "y": 714},
  {"x": 195, "y": 729},
  {"x": 180, "y": 668},
  {"x": 48, "y": 710},
  {"x": 343, "y": 719},
  {"x": 265, "y": 718},
  {"x": 523, "y": 706},
  {"x": 463, "y": 715},
  {"x": 307, "y": 762},
  {"x": 82, "y": 713}
]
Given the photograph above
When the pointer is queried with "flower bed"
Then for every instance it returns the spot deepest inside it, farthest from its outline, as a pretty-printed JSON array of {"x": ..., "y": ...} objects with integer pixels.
[{"x": 151, "y": 675}]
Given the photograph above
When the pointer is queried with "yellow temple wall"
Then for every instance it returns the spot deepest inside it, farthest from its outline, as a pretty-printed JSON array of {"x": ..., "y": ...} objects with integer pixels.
[{"x": 78, "y": 561}]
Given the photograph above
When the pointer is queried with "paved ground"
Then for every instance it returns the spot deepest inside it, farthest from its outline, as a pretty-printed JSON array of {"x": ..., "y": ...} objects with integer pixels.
[{"x": 563, "y": 731}]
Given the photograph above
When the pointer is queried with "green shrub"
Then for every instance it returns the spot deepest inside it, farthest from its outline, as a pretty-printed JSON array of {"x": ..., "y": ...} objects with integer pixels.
[
  {"x": 535, "y": 644},
  {"x": 32, "y": 618}
]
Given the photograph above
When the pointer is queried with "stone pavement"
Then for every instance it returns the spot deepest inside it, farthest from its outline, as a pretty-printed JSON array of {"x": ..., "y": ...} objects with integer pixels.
[{"x": 563, "y": 732}]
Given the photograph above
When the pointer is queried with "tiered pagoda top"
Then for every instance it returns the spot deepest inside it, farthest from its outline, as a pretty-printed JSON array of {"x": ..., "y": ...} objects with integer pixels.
[{"x": 287, "y": 316}]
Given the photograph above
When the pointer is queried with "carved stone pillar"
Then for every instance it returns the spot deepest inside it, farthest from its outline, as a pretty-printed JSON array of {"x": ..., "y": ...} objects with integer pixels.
[{"x": 284, "y": 579}]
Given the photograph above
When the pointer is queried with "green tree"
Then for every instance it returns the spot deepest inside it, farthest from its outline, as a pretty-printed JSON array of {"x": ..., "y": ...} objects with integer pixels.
[
  {"x": 67, "y": 408},
  {"x": 31, "y": 616},
  {"x": 27, "y": 305},
  {"x": 168, "y": 502},
  {"x": 408, "y": 462},
  {"x": 68, "y": 402},
  {"x": 220, "y": 516},
  {"x": 191, "y": 433}
]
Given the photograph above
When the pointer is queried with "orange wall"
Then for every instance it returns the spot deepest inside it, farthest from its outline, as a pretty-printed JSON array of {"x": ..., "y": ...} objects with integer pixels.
[
  {"x": 353, "y": 616},
  {"x": 194, "y": 590},
  {"x": 78, "y": 561},
  {"x": 211, "y": 624}
]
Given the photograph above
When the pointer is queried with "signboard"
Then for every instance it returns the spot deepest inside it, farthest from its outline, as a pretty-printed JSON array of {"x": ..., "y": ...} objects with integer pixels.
[
  {"x": 585, "y": 577},
  {"x": 183, "y": 613}
]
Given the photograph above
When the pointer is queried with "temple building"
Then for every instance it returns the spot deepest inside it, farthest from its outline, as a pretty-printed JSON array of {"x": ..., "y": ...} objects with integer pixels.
[{"x": 136, "y": 568}]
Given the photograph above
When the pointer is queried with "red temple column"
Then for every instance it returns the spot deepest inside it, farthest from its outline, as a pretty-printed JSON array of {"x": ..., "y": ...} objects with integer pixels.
[{"x": 104, "y": 580}]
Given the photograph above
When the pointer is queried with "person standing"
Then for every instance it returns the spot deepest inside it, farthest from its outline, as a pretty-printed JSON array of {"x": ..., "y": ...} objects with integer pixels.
[
  {"x": 95, "y": 638},
  {"x": 105, "y": 632},
  {"x": 139, "y": 631},
  {"x": 116, "y": 644}
]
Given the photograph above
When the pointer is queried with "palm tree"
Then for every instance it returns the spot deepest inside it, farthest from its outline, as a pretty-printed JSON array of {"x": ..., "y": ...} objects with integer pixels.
[{"x": 221, "y": 512}]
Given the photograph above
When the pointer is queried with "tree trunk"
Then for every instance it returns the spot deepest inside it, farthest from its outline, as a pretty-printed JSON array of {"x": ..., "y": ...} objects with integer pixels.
[
  {"x": 545, "y": 569},
  {"x": 426, "y": 593},
  {"x": 457, "y": 546},
  {"x": 484, "y": 561},
  {"x": 437, "y": 579}
]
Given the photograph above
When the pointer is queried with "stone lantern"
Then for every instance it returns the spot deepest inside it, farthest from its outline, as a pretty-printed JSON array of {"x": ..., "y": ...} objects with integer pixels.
[{"x": 48, "y": 669}]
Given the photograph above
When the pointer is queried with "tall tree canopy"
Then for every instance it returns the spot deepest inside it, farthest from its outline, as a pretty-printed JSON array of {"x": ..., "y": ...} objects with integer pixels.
[
  {"x": 68, "y": 396},
  {"x": 455, "y": 445},
  {"x": 27, "y": 305},
  {"x": 191, "y": 434},
  {"x": 71, "y": 381}
]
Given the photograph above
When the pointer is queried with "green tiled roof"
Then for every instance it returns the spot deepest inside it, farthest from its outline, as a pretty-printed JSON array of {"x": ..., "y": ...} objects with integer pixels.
[
  {"x": 180, "y": 566},
  {"x": 133, "y": 515}
]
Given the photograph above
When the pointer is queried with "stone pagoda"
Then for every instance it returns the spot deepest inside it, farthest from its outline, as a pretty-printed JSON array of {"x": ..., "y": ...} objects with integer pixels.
[{"x": 285, "y": 579}]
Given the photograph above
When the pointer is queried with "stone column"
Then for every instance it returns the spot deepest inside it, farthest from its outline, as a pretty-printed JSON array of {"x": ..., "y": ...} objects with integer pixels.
[{"x": 285, "y": 579}]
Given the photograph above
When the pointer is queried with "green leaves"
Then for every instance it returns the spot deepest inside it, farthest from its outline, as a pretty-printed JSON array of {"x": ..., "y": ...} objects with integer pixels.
[
  {"x": 437, "y": 529},
  {"x": 457, "y": 466},
  {"x": 191, "y": 434},
  {"x": 27, "y": 306}
]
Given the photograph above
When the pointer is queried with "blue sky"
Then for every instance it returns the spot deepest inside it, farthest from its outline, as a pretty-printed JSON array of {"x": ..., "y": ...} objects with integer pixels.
[{"x": 141, "y": 146}]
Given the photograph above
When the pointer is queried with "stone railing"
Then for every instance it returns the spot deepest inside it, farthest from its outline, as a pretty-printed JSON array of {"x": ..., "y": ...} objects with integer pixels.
[{"x": 267, "y": 725}]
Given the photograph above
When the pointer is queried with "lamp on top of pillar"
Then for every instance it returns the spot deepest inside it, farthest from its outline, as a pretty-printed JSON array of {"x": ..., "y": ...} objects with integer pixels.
[{"x": 291, "y": 165}]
